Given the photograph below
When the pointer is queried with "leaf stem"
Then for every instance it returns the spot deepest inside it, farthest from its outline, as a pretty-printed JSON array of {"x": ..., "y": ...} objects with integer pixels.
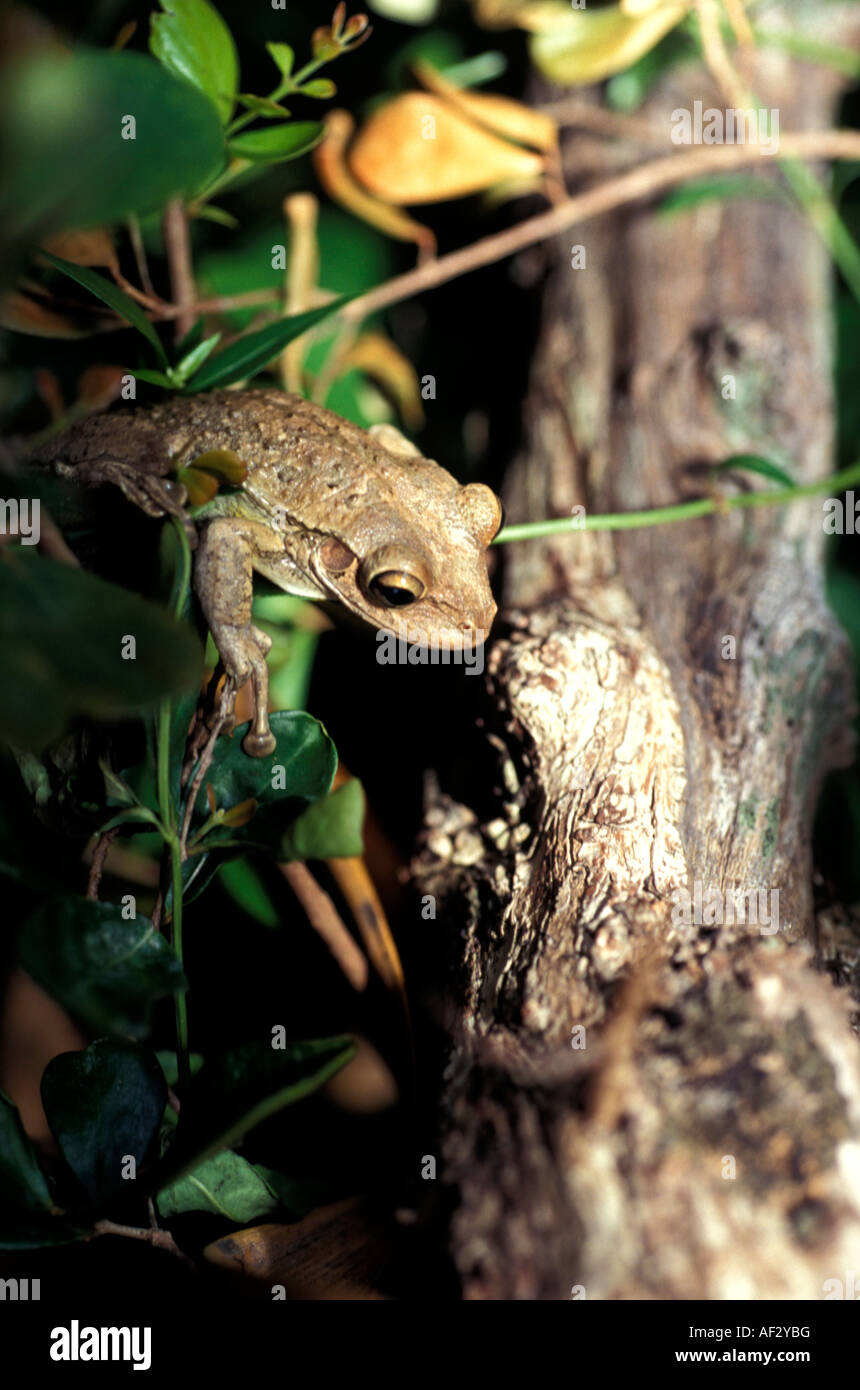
[
  {"x": 167, "y": 809},
  {"x": 181, "y": 1007},
  {"x": 288, "y": 87},
  {"x": 680, "y": 511}
]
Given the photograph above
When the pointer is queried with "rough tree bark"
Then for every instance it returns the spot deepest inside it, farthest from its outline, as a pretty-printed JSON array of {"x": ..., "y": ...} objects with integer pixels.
[{"x": 705, "y": 1143}]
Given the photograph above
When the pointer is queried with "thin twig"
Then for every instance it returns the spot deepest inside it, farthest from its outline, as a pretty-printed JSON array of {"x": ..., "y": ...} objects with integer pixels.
[
  {"x": 163, "y": 1240},
  {"x": 300, "y": 211},
  {"x": 152, "y": 302},
  {"x": 97, "y": 863},
  {"x": 586, "y": 115},
  {"x": 327, "y": 921},
  {"x": 139, "y": 250},
  {"x": 635, "y": 184},
  {"x": 741, "y": 26},
  {"x": 128, "y": 864},
  {"x": 203, "y": 766},
  {"x": 629, "y": 187},
  {"x": 177, "y": 243},
  {"x": 716, "y": 54}
]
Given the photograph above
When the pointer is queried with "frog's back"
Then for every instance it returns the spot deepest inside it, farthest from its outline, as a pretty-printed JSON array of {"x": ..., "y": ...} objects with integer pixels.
[
  {"x": 272, "y": 431},
  {"x": 264, "y": 427},
  {"x": 298, "y": 455}
]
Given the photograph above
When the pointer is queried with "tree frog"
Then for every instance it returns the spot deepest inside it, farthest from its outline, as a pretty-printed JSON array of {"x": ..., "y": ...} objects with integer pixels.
[{"x": 326, "y": 510}]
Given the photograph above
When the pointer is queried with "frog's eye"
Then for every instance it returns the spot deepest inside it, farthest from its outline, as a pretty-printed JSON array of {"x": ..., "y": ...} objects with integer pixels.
[
  {"x": 394, "y": 576},
  {"x": 396, "y": 588}
]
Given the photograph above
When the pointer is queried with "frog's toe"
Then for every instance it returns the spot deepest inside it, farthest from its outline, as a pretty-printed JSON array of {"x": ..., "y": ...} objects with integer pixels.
[
  {"x": 262, "y": 640},
  {"x": 259, "y": 745}
]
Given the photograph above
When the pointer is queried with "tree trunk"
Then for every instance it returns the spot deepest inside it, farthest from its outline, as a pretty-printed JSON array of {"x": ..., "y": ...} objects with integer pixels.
[{"x": 641, "y": 1106}]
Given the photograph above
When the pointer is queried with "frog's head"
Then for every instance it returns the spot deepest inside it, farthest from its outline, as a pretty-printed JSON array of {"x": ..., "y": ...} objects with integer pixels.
[{"x": 411, "y": 556}]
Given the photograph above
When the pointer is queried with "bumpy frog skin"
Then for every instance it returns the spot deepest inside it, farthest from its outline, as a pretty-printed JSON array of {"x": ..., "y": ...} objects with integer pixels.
[{"x": 327, "y": 510}]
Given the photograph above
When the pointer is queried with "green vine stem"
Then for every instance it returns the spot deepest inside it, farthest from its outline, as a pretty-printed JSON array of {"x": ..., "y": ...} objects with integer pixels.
[
  {"x": 169, "y": 820},
  {"x": 680, "y": 511},
  {"x": 289, "y": 86}
]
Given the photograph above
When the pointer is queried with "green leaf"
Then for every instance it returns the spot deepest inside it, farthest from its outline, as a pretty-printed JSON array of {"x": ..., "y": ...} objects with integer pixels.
[
  {"x": 276, "y": 143},
  {"x": 232, "y": 1094},
  {"x": 210, "y": 213},
  {"x": 104, "y": 1105},
  {"x": 301, "y": 770},
  {"x": 66, "y": 162},
  {"x": 262, "y": 106},
  {"x": 298, "y": 1196},
  {"x": 105, "y": 971},
  {"x": 225, "y": 1185},
  {"x": 195, "y": 358},
  {"x": 63, "y": 632},
  {"x": 320, "y": 87},
  {"x": 692, "y": 195},
  {"x": 473, "y": 72},
  {"x": 131, "y": 816},
  {"x": 753, "y": 463},
  {"x": 192, "y": 40},
  {"x": 21, "y": 1179},
  {"x": 629, "y": 89},
  {"x": 25, "y": 1201},
  {"x": 168, "y": 382},
  {"x": 118, "y": 792},
  {"x": 112, "y": 295},
  {"x": 331, "y": 829},
  {"x": 190, "y": 339},
  {"x": 253, "y": 351},
  {"x": 283, "y": 56},
  {"x": 245, "y": 886}
]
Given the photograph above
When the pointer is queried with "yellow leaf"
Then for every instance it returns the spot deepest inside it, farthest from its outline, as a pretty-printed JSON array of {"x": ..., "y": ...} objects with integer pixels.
[
  {"x": 636, "y": 7},
  {"x": 418, "y": 149},
  {"x": 334, "y": 175},
  {"x": 223, "y": 464},
  {"x": 375, "y": 354},
  {"x": 504, "y": 117},
  {"x": 201, "y": 487},
  {"x": 239, "y": 814},
  {"x": 590, "y": 46},
  {"x": 535, "y": 15}
]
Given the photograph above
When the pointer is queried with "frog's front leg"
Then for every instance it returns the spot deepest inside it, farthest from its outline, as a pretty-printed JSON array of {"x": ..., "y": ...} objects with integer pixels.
[{"x": 228, "y": 550}]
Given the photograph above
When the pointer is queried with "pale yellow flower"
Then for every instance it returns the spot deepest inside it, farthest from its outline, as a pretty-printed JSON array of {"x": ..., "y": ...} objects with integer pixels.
[{"x": 573, "y": 46}]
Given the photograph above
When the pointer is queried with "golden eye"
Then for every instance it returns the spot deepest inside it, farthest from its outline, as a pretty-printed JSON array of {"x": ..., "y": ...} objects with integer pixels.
[{"x": 396, "y": 588}]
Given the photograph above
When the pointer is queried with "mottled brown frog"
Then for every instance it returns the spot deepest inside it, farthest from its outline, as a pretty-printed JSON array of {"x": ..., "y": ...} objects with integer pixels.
[{"x": 327, "y": 510}]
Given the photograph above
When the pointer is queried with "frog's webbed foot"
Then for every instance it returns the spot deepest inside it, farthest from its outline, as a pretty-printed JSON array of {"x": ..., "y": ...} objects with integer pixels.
[
  {"x": 223, "y": 581},
  {"x": 243, "y": 650},
  {"x": 152, "y": 493}
]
